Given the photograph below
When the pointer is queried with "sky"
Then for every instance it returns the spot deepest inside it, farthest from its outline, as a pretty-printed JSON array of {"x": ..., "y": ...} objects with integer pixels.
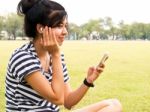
[{"x": 81, "y": 11}]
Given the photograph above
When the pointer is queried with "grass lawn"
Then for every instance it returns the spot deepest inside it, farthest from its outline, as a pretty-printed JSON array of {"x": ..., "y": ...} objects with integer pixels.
[{"x": 126, "y": 76}]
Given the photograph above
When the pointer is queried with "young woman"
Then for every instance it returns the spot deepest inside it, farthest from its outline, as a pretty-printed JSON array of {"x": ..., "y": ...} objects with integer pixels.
[{"x": 37, "y": 78}]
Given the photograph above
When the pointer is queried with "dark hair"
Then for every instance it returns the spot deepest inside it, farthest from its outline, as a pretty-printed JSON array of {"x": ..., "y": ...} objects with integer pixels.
[{"x": 44, "y": 12}]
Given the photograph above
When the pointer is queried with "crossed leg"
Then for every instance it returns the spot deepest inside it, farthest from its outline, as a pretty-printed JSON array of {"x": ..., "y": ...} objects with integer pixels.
[{"x": 110, "y": 105}]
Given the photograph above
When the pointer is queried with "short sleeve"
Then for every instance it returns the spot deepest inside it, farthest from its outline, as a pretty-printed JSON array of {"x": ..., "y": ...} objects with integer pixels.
[{"x": 23, "y": 63}]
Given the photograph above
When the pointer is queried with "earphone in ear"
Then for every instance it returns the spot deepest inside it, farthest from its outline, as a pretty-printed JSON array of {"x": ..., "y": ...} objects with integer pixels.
[{"x": 41, "y": 29}]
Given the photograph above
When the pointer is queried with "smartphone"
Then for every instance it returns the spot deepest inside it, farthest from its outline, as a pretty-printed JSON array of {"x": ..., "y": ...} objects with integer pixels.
[{"x": 104, "y": 58}]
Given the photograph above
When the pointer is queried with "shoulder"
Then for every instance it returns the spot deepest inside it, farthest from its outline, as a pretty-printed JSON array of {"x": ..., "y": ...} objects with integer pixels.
[
  {"x": 22, "y": 52},
  {"x": 22, "y": 56}
]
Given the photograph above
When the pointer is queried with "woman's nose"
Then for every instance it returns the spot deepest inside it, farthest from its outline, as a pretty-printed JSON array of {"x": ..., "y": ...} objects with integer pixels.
[{"x": 65, "y": 31}]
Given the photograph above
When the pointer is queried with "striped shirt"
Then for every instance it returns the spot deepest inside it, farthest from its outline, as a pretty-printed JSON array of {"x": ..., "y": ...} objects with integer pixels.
[{"x": 19, "y": 95}]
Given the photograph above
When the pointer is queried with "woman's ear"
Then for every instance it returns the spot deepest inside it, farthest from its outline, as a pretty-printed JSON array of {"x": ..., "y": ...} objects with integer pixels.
[{"x": 39, "y": 28}]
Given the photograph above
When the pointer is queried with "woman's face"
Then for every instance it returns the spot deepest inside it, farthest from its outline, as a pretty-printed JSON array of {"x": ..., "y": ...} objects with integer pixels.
[{"x": 61, "y": 31}]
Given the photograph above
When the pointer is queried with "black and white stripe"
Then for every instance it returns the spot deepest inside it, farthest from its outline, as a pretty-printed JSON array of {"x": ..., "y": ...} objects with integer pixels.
[{"x": 19, "y": 95}]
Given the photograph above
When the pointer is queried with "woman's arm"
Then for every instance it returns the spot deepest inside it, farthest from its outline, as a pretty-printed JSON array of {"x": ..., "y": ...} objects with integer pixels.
[
  {"x": 58, "y": 79},
  {"x": 73, "y": 97},
  {"x": 50, "y": 92}
]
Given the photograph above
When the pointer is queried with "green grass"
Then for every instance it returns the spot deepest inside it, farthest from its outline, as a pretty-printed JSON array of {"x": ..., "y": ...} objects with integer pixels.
[{"x": 126, "y": 76}]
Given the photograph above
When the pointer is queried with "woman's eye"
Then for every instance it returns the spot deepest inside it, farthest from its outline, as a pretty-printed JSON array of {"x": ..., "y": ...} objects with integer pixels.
[
  {"x": 60, "y": 25},
  {"x": 63, "y": 26},
  {"x": 66, "y": 26}
]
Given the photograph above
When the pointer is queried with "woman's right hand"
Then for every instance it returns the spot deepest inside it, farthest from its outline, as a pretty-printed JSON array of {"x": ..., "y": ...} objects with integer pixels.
[{"x": 49, "y": 41}]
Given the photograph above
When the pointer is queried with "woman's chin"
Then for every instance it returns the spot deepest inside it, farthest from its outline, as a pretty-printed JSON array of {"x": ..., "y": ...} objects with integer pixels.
[{"x": 60, "y": 43}]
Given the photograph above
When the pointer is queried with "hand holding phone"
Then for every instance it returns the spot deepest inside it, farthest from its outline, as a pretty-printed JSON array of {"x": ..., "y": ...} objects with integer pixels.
[
  {"x": 104, "y": 58},
  {"x": 92, "y": 76}
]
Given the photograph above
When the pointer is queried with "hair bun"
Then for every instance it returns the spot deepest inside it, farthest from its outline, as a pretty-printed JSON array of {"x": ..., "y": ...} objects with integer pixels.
[{"x": 25, "y": 5}]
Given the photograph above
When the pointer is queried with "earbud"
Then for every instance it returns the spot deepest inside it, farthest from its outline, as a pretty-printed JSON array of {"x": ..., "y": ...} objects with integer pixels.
[{"x": 41, "y": 29}]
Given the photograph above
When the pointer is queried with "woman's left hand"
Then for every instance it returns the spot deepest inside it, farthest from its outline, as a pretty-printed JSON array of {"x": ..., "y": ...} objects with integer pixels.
[
  {"x": 49, "y": 41},
  {"x": 94, "y": 72}
]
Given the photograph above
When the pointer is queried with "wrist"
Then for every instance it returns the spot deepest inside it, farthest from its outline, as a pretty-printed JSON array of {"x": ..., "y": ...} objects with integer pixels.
[
  {"x": 89, "y": 80},
  {"x": 56, "y": 54},
  {"x": 88, "y": 84},
  {"x": 54, "y": 51}
]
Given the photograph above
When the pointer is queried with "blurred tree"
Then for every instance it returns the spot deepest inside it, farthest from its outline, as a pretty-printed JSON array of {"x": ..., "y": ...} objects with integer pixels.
[
  {"x": 13, "y": 24},
  {"x": 112, "y": 30},
  {"x": 92, "y": 26},
  {"x": 74, "y": 31},
  {"x": 1, "y": 26},
  {"x": 1, "y": 23}
]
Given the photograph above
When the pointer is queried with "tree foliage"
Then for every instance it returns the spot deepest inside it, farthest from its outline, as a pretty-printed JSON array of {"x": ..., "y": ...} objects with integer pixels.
[
  {"x": 13, "y": 25},
  {"x": 102, "y": 28}
]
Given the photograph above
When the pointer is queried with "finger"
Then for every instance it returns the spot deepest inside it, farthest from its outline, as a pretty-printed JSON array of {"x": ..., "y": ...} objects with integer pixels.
[
  {"x": 54, "y": 37},
  {"x": 99, "y": 69},
  {"x": 42, "y": 38},
  {"x": 51, "y": 39},
  {"x": 46, "y": 36},
  {"x": 50, "y": 36},
  {"x": 90, "y": 70},
  {"x": 102, "y": 65}
]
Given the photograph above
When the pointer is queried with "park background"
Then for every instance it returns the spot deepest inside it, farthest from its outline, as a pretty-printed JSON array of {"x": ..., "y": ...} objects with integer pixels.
[
  {"x": 121, "y": 27},
  {"x": 126, "y": 76}
]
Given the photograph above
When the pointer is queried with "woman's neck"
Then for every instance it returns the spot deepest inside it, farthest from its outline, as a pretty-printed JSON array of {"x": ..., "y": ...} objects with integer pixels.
[
  {"x": 39, "y": 48},
  {"x": 42, "y": 54}
]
